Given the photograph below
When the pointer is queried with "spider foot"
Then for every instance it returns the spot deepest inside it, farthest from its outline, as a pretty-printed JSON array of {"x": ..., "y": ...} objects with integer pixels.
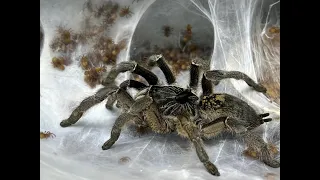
[
  {"x": 212, "y": 168},
  {"x": 260, "y": 88},
  {"x": 272, "y": 163},
  {"x": 65, "y": 123},
  {"x": 268, "y": 154},
  {"x": 107, "y": 145}
]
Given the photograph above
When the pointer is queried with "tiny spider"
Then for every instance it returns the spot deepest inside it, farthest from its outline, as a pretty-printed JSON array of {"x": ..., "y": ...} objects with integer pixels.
[
  {"x": 46, "y": 135},
  {"x": 187, "y": 34},
  {"x": 93, "y": 75},
  {"x": 64, "y": 34},
  {"x": 84, "y": 62},
  {"x": 58, "y": 63},
  {"x": 125, "y": 12},
  {"x": 167, "y": 30}
]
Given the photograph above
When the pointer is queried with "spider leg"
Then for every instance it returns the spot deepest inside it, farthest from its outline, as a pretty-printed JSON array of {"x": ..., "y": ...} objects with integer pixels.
[
  {"x": 162, "y": 64},
  {"x": 133, "y": 84},
  {"x": 196, "y": 71},
  {"x": 122, "y": 96},
  {"x": 133, "y": 67},
  {"x": 134, "y": 112},
  {"x": 194, "y": 76},
  {"x": 207, "y": 87},
  {"x": 217, "y": 75},
  {"x": 111, "y": 100},
  {"x": 86, "y": 104},
  {"x": 255, "y": 143},
  {"x": 116, "y": 129},
  {"x": 194, "y": 136},
  {"x": 264, "y": 151},
  {"x": 209, "y": 130},
  {"x": 124, "y": 99}
]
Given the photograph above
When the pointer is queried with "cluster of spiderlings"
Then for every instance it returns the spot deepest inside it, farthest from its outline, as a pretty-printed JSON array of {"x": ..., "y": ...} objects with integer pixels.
[
  {"x": 92, "y": 75},
  {"x": 179, "y": 58},
  {"x": 92, "y": 68},
  {"x": 108, "y": 50},
  {"x": 97, "y": 20},
  {"x": 105, "y": 52},
  {"x": 62, "y": 44}
]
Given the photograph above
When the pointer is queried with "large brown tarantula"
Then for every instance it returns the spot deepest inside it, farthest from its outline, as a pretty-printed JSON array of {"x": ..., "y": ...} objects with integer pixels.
[{"x": 169, "y": 108}]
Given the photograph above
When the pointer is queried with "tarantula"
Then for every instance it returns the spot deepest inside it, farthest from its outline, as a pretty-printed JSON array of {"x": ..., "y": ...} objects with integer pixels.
[{"x": 169, "y": 108}]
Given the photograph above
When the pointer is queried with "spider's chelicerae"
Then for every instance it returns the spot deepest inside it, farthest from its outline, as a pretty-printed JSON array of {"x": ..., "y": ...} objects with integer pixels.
[{"x": 169, "y": 108}]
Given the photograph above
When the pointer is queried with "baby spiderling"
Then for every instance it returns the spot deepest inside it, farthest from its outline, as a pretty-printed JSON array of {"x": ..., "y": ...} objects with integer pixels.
[
  {"x": 167, "y": 30},
  {"x": 46, "y": 135},
  {"x": 125, "y": 12}
]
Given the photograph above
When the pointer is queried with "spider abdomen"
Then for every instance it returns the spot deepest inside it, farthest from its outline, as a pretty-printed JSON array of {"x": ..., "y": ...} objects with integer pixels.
[{"x": 226, "y": 106}]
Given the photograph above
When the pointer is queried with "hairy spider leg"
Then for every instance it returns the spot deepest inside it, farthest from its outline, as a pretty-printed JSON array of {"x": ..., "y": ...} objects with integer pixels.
[
  {"x": 264, "y": 153},
  {"x": 133, "y": 67},
  {"x": 87, "y": 103},
  {"x": 124, "y": 85},
  {"x": 109, "y": 89},
  {"x": 194, "y": 136},
  {"x": 164, "y": 67},
  {"x": 217, "y": 75},
  {"x": 134, "y": 112},
  {"x": 196, "y": 71}
]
